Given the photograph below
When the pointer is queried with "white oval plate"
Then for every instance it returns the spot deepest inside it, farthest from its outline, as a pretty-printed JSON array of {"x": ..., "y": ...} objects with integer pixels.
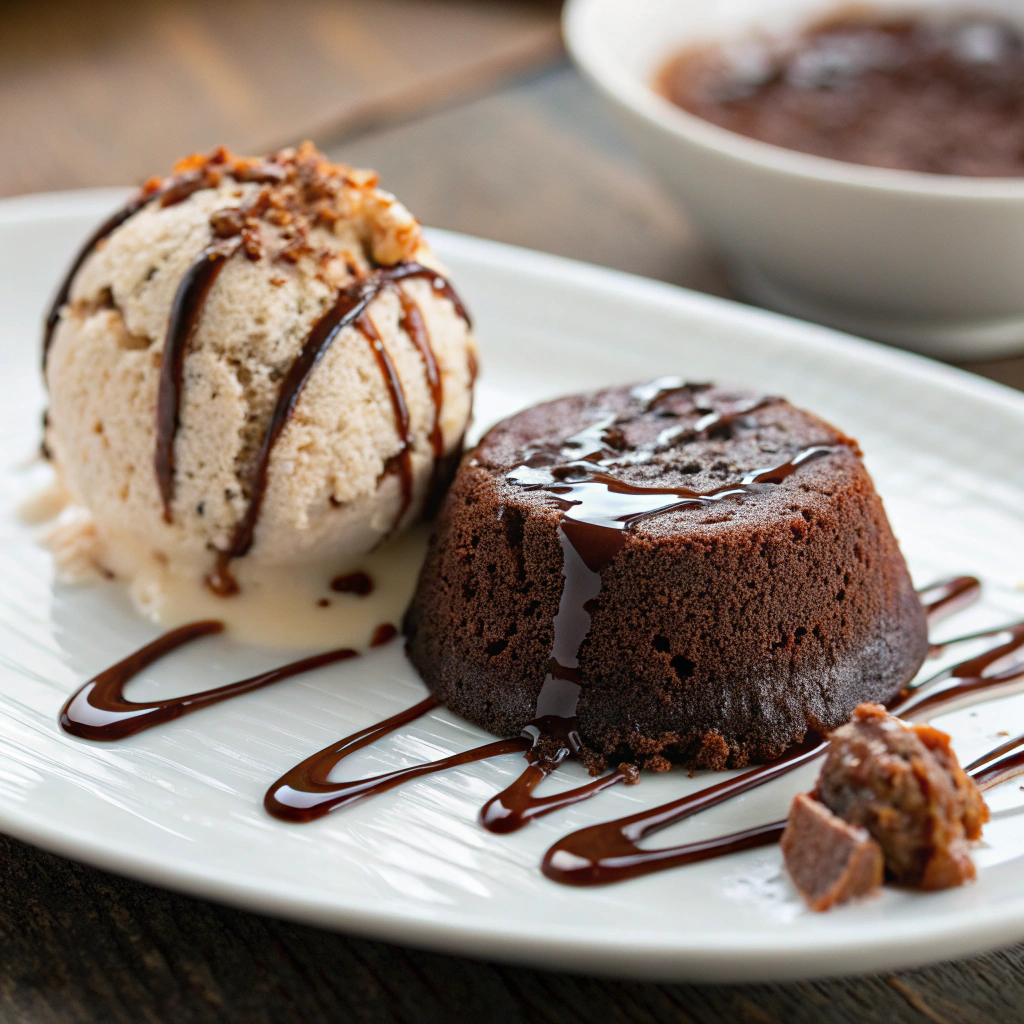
[{"x": 181, "y": 805}]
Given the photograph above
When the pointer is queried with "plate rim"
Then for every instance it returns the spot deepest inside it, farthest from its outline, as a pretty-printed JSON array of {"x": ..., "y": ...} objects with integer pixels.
[{"x": 633, "y": 953}]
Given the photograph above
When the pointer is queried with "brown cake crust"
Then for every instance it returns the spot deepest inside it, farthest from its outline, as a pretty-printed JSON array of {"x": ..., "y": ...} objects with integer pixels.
[{"x": 722, "y": 634}]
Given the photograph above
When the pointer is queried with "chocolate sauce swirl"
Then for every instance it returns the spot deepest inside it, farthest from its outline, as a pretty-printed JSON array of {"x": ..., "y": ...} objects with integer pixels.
[
  {"x": 402, "y": 461},
  {"x": 598, "y": 512},
  {"x": 609, "y": 852},
  {"x": 304, "y": 793},
  {"x": 999, "y": 765},
  {"x": 413, "y": 324},
  {"x": 604, "y": 853},
  {"x": 99, "y": 710},
  {"x": 949, "y": 596},
  {"x": 516, "y": 806}
]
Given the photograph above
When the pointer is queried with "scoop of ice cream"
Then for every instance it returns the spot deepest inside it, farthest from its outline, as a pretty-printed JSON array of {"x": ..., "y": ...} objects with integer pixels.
[{"x": 324, "y": 371}]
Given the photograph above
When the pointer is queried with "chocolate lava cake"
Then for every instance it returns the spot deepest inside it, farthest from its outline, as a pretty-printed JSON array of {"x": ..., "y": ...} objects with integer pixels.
[{"x": 669, "y": 573}]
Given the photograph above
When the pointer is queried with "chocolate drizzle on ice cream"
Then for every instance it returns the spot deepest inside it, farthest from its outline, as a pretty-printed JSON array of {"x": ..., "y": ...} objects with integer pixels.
[
  {"x": 336, "y": 241},
  {"x": 349, "y": 310},
  {"x": 185, "y": 313}
]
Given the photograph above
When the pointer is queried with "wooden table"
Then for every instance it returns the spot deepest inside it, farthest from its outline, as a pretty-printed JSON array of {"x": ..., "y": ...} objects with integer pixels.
[{"x": 532, "y": 160}]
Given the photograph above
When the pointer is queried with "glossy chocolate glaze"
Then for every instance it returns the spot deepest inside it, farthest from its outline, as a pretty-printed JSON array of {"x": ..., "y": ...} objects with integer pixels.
[
  {"x": 598, "y": 511},
  {"x": 99, "y": 710}
]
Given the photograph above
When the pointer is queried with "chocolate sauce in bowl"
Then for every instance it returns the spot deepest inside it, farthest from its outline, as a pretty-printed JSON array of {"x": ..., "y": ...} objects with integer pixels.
[{"x": 917, "y": 92}]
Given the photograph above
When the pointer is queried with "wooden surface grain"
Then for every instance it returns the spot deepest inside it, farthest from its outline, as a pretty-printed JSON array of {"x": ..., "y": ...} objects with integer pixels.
[
  {"x": 111, "y": 91},
  {"x": 80, "y": 946},
  {"x": 535, "y": 163}
]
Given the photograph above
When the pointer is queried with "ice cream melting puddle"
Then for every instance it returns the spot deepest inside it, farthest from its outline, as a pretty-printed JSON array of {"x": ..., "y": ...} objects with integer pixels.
[{"x": 281, "y": 607}]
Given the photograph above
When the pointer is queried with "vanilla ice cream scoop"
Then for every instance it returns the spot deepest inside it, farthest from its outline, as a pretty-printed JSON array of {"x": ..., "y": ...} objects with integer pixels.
[{"x": 256, "y": 365}]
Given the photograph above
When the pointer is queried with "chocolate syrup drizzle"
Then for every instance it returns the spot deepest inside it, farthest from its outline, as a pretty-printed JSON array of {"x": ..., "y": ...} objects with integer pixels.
[
  {"x": 349, "y": 309},
  {"x": 185, "y": 312},
  {"x": 99, "y": 710},
  {"x": 598, "y": 855},
  {"x": 413, "y": 324},
  {"x": 609, "y": 852},
  {"x": 399, "y": 406},
  {"x": 174, "y": 190},
  {"x": 304, "y": 793},
  {"x": 598, "y": 511}
]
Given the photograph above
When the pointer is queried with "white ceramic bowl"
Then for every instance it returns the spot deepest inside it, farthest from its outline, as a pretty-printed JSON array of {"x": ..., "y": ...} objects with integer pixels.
[{"x": 927, "y": 261}]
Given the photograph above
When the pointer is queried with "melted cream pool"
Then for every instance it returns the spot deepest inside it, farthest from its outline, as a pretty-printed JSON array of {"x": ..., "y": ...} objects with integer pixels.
[
  {"x": 285, "y": 607},
  {"x": 291, "y": 608}
]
